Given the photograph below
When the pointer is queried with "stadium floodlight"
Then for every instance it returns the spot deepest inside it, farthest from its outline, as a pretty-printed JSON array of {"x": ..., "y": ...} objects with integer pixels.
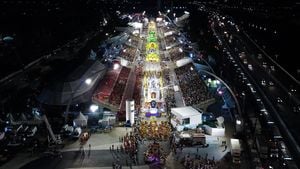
[
  {"x": 94, "y": 108},
  {"x": 88, "y": 81},
  {"x": 116, "y": 66}
]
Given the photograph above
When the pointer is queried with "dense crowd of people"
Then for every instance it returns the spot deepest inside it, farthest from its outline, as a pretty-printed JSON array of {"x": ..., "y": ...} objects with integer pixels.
[
  {"x": 138, "y": 87},
  {"x": 128, "y": 53},
  {"x": 154, "y": 131},
  {"x": 176, "y": 53},
  {"x": 170, "y": 98},
  {"x": 169, "y": 94},
  {"x": 163, "y": 58},
  {"x": 105, "y": 87},
  {"x": 198, "y": 162},
  {"x": 155, "y": 154},
  {"x": 167, "y": 29},
  {"x": 166, "y": 77},
  {"x": 133, "y": 41},
  {"x": 193, "y": 88},
  {"x": 130, "y": 144},
  {"x": 118, "y": 90},
  {"x": 170, "y": 40}
]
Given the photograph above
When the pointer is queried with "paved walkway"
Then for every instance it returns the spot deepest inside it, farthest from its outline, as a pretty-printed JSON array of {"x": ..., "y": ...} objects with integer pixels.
[
  {"x": 20, "y": 160},
  {"x": 98, "y": 142},
  {"x": 101, "y": 141},
  {"x": 123, "y": 167}
]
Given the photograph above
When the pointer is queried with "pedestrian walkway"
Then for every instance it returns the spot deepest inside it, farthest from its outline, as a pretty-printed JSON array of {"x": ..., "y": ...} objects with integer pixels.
[
  {"x": 20, "y": 160},
  {"x": 97, "y": 147},
  {"x": 123, "y": 167},
  {"x": 101, "y": 141},
  {"x": 98, "y": 142}
]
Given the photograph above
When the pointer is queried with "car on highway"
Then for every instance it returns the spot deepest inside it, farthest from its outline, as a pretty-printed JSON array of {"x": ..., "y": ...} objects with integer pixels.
[
  {"x": 273, "y": 149},
  {"x": 259, "y": 56},
  {"x": 279, "y": 100},
  {"x": 296, "y": 109},
  {"x": 264, "y": 64},
  {"x": 271, "y": 83},
  {"x": 285, "y": 154},
  {"x": 252, "y": 90},
  {"x": 242, "y": 54},
  {"x": 263, "y": 82},
  {"x": 293, "y": 90},
  {"x": 272, "y": 68},
  {"x": 250, "y": 67}
]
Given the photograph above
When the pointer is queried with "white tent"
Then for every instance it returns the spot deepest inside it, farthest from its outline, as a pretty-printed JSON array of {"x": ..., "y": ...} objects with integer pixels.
[{"x": 80, "y": 120}]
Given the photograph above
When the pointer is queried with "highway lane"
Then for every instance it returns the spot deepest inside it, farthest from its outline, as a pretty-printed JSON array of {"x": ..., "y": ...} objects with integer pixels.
[
  {"x": 285, "y": 81},
  {"x": 259, "y": 73},
  {"x": 270, "y": 77},
  {"x": 249, "y": 56},
  {"x": 283, "y": 78},
  {"x": 277, "y": 91}
]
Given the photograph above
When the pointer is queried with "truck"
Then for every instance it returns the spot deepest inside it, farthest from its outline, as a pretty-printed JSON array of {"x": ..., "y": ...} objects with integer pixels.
[{"x": 235, "y": 150}]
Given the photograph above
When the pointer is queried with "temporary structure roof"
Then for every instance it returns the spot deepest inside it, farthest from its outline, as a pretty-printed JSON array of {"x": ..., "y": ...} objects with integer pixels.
[
  {"x": 80, "y": 120},
  {"x": 185, "y": 112},
  {"x": 73, "y": 88}
]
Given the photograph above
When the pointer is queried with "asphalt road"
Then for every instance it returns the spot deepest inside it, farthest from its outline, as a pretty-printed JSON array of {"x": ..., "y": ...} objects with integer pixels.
[
  {"x": 260, "y": 73},
  {"x": 74, "y": 159},
  {"x": 281, "y": 109}
]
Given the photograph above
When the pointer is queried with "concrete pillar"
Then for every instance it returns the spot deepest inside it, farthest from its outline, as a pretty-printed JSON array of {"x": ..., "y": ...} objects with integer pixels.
[{"x": 130, "y": 109}]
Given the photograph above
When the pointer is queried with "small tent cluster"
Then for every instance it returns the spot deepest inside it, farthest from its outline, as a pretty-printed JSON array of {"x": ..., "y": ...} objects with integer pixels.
[{"x": 80, "y": 120}]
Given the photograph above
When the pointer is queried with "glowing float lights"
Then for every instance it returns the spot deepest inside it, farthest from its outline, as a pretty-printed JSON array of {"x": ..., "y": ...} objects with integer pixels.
[
  {"x": 152, "y": 57},
  {"x": 152, "y": 37},
  {"x": 151, "y": 25},
  {"x": 152, "y": 50},
  {"x": 151, "y": 45}
]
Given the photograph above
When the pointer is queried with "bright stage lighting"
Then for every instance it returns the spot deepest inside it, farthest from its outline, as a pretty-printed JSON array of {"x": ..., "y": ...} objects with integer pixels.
[{"x": 88, "y": 81}]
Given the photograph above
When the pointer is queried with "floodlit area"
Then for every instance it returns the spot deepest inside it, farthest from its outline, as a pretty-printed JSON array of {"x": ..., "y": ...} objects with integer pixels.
[{"x": 179, "y": 87}]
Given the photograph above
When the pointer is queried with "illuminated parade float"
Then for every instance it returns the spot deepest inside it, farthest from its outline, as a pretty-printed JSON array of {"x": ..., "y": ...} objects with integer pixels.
[
  {"x": 153, "y": 104},
  {"x": 152, "y": 81}
]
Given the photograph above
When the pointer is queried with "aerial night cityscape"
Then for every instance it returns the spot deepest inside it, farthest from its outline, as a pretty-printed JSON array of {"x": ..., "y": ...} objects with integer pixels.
[{"x": 149, "y": 84}]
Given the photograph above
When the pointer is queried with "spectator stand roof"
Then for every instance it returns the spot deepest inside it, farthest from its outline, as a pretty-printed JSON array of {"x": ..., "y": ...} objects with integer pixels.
[{"x": 59, "y": 93}]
